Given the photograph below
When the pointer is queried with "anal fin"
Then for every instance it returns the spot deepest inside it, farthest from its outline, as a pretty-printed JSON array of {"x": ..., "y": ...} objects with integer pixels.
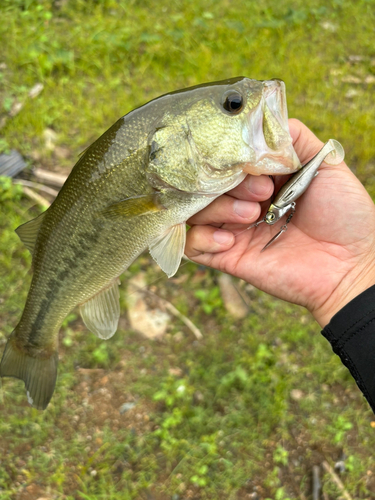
[
  {"x": 167, "y": 250},
  {"x": 101, "y": 313},
  {"x": 38, "y": 373}
]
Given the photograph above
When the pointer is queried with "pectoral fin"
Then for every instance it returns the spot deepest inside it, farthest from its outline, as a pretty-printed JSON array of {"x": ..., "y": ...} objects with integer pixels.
[
  {"x": 102, "y": 312},
  {"x": 28, "y": 232},
  {"x": 132, "y": 207},
  {"x": 168, "y": 249}
]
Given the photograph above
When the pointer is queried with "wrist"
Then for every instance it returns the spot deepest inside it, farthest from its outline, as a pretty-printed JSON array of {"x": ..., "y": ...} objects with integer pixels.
[{"x": 350, "y": 287}]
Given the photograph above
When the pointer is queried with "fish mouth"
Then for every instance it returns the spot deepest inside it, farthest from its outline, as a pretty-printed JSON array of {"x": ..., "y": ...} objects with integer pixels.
[{"x": 267, "y": 133}]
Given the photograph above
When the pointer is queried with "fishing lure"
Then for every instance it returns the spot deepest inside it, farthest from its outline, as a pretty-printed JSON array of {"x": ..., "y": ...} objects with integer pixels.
[{"x": 332, "y": 153}]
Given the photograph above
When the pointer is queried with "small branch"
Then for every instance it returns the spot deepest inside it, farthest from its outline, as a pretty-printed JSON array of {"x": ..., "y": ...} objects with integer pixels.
[
  {"x": 35, "y": 185},
  {"x": 49, "y": 177},
  {"x": 171, "y": 308},
  {"x": 36, "y": 90},
  {"x": 337, "y": 480},
  {"x": 16, "y": 108},
  {"x": 316, "y": 487},
  {"x": 36, "y": 197}
]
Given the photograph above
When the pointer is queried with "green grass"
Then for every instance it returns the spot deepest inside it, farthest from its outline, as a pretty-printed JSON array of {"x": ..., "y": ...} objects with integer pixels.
[{"x": 216, "y": 418}]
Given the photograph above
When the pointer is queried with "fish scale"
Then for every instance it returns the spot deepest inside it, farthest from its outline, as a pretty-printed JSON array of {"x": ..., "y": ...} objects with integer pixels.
[{"x": 133, "y": 189}]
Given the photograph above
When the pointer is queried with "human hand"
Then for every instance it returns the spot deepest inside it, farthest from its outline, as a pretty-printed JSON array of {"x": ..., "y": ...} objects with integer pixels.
[{"x": 324, "y": 260}]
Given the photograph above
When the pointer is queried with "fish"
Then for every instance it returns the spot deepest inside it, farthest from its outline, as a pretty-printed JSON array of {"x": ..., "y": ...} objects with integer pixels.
[{"x": 133, "y": 189}]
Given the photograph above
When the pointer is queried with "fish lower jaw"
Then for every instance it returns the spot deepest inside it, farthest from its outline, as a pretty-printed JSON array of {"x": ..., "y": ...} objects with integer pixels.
[
  {"x": 273, "y": 169},
  {"x": 273, "y": 165},
  {"x": 213, "y": 188}
]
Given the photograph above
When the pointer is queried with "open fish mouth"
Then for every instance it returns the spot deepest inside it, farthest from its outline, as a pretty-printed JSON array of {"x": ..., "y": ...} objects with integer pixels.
[{"x": 267, "y": 133}]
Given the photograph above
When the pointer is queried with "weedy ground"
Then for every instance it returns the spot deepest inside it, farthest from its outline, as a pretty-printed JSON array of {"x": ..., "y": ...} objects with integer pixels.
[{"x": 250, "y": 409}]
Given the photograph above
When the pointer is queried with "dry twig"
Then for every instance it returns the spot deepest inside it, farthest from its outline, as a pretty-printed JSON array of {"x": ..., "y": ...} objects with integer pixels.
[
  {"x": 49, "y": 177},
  {"x": 337, "y": 480},
  {"x": 36, "y": 185},
  {"x": 171, "y": 308},
  {"x": 36, "y": 197},
  {"x": 316, "y": 487}
]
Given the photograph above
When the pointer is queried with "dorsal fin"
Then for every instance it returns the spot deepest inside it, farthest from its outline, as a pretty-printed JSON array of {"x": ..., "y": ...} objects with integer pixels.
[{"x": 28, "y": 232}]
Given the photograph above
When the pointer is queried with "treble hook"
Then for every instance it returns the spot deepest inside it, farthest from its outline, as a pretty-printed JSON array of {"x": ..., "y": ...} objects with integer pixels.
[{"x": 332, "y": 153}]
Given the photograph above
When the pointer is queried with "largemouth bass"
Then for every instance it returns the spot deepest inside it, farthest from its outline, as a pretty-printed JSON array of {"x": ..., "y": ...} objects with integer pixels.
[{"x": 133, "y": 189}]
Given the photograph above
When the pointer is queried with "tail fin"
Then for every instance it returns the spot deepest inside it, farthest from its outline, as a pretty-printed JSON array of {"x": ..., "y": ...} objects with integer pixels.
[{"x": 39, "y": 374}]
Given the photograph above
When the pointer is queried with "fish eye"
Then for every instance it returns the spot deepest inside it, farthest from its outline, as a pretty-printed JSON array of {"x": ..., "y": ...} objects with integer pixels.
[{"x": 233, "y": 102}]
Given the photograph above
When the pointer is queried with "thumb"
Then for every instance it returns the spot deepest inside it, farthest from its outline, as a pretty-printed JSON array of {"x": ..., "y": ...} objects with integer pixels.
[{"x": 305, "y": 143}]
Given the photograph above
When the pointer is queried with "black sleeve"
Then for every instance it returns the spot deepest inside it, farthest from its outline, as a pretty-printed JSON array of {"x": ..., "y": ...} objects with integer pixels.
[{"x": 351, "y": 333}]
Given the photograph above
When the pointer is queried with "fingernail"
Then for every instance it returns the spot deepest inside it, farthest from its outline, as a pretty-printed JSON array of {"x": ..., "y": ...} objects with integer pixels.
[
  {"x": 223, "y": 237},
  {"x": 245, "y": 209},
  {"x": 258, "y": 185}
]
